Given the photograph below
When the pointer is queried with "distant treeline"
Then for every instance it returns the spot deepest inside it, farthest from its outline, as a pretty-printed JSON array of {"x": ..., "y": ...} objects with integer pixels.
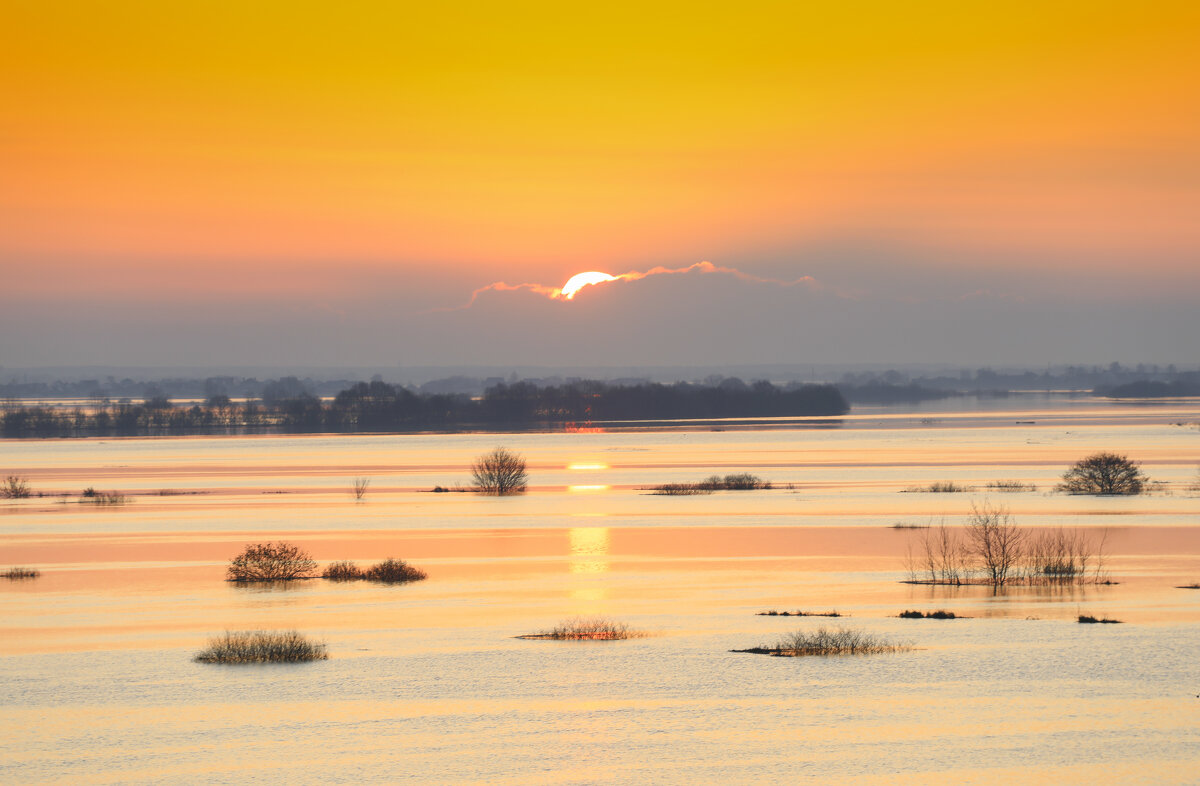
[
  {"x": 1184, "y": 385},
  {"x": 378, "y": 406}
]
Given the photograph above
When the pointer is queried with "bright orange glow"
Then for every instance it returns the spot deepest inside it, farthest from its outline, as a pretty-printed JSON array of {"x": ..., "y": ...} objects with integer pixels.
[
  {"x": 581, "y": 280},
  {"x": 587, "y": 465}
]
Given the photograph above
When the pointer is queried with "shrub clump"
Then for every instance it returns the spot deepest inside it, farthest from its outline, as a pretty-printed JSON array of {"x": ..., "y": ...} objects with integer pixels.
[
  {"x": 345, "y": 570},
  {"x": 940, "y": 614},
  {"x": 20, "y": 573},
  {"x": 262, "y": 646},
  {"x": 823, "y": 641},
  {"x": 390, "y": 571},
  {"x": 271, "y": 562},
  {"x": 742, "y": 481},
  {"x": 393, "y": 571},
  {"x": 1087, "y": 619},
  {"x": 587, "y": 629}
]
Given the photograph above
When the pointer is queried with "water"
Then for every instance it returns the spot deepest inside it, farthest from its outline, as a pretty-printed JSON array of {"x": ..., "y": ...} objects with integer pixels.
[{"x": 425, "y": 682}]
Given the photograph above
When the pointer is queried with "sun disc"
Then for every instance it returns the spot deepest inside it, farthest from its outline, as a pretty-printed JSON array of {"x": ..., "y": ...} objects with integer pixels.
[{"x": 581, "y": 280}]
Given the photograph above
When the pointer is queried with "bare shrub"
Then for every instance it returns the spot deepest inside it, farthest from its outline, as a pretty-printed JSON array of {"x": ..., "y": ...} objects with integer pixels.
[
  {"x": 1066, "y": 556},
  {"x": 942, "y": 558},
  {"x": 345, "y": 570},
  {"x": 823, "y": 641},
  {"x": 499, "y": 472},
  {"x": 271, "y": 562},
  {"x": 20, "y": 573},
  {"x": 1105, "y": 474},
  {"x": 393, "y": 571},
  {"x": 15, "y": 487},
  {"x": 360, "y": 487},
  {"x": 1087, "y": 619},
  {"x": 587, "y": 629},
  {"x": 744, "y": 481},
  {"x": 262, "y": 646}
]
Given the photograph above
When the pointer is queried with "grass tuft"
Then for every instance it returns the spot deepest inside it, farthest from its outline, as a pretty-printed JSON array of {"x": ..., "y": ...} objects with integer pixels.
[
  {"x": 773, "y": 613},
  {"x": 261, "y": 646},
  {"x": 824, "y": 641},
  {"x": 587, "y": 629},
  {"x": 1010, "y": 486},
  {"x": 940, "y": 487},
  {"x": 20, "y": 573}
]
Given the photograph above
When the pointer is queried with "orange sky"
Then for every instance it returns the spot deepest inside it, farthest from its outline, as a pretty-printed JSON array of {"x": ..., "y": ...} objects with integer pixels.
[{"x": 529, "y": 142}]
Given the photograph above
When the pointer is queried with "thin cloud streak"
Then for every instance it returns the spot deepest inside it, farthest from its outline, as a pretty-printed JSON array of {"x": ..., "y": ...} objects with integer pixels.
[{"x": 704, "y": 268}]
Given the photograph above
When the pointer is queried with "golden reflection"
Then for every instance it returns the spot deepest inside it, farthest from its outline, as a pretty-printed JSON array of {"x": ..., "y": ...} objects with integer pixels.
[
  {"x": 587, "y": 465},
  {"x": 586, "y": 489},
  {"x": 589, "y": 561}
]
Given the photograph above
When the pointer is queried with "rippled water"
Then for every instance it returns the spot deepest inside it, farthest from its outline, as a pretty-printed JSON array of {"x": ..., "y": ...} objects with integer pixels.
[{"x": 426, "y": 683}]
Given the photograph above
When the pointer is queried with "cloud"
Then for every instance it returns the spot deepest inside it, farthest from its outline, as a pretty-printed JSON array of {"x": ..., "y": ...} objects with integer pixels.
[{"x": 699, "y": 268}]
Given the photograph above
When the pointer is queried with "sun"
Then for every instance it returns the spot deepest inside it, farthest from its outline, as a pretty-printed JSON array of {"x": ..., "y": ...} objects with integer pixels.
[{"x": 581, "y": 280}]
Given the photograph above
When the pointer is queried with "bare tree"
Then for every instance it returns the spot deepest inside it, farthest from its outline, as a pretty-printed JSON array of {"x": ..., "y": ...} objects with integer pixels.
[
  {"x": 996, "y": 541},
  {"x": 1104, "y": 473},
  {"x": 271, "y": 562},
  {"x": 944, "y": 556},
  {"x": 499, "y": 472}
]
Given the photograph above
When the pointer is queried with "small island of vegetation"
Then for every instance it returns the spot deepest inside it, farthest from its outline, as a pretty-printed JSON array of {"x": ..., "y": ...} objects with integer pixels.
[{"x": 823, "y": 641}]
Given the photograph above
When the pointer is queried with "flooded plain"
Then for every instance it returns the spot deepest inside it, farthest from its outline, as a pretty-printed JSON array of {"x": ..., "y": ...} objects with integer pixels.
[{"x": 426, "y": 682}]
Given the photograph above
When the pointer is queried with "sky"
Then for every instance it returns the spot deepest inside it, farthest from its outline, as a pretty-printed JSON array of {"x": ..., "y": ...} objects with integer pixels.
[{"x": 269, "y": 183}]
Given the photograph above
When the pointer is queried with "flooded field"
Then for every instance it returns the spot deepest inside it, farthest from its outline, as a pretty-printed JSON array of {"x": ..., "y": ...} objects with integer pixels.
[{"x": 426, "y": 682}]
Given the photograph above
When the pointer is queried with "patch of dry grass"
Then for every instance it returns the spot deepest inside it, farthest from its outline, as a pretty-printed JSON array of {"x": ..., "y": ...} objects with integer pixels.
[
  {"x": 262, "y": 646},
  {"x": 587, "y": 629}
]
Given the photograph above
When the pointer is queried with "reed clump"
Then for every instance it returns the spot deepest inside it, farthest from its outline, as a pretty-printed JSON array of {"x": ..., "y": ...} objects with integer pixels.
[
  {"x": 1088, "y": 619},
  {"x": 825, "y": 641},
  {"x": 18, "y": 573},
  {"x": 262, "y": 646},
  {"x": 587, "y": 629}
]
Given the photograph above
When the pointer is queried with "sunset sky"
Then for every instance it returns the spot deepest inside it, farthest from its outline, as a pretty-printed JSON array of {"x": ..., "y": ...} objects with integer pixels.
[{"x": 261, "y": 183}]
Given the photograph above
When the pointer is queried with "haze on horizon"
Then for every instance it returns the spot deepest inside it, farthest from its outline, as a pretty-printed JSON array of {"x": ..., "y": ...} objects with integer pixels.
[{"x": 282, "y": 184}]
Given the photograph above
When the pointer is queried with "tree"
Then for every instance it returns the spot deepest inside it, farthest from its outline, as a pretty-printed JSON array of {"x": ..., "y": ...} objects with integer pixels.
[
  {"x": 1104, "y": 473},
  {"x": 499, "y": 472},
  {"x": 271, "y": 562},
  {"x": 996, "y": 542}
]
